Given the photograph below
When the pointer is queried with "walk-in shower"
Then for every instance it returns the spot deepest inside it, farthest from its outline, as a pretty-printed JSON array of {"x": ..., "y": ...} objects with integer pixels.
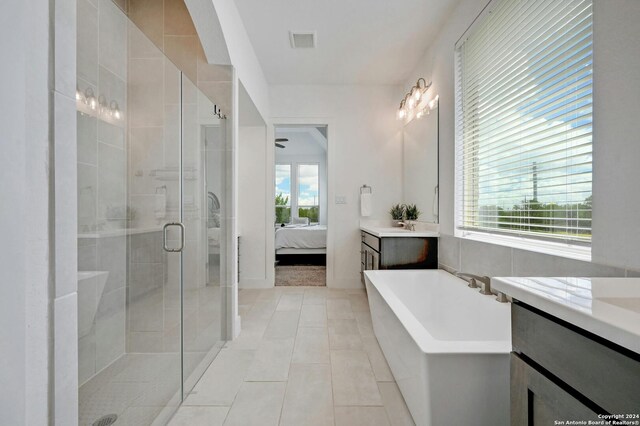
[{"x": 151, "y": 305}]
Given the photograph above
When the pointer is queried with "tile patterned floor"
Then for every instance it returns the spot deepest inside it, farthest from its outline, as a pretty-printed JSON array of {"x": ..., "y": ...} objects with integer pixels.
[{"x": 306, "y": 356}]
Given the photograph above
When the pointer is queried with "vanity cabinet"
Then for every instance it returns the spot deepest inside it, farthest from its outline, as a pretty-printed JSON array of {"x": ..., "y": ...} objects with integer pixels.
[
  {"x": 560, "y": 372},
  {"x": 398, "y": 252}
]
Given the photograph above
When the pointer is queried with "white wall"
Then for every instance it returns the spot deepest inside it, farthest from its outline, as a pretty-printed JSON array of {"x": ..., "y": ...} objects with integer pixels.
[
  {"x": 364, "y": 148},
  {"x": 13, "y": 172},
  {"x": 37, "y": 118},
  {"x": 241, "y": 53},
  {"x": 252, "y": 196},
  {"x": 616, "y": 149},
  {"x": 616, "y": 140}
]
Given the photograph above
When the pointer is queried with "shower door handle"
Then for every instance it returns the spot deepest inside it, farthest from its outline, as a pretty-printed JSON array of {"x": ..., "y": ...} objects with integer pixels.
[{"x": 164, "y": 237}]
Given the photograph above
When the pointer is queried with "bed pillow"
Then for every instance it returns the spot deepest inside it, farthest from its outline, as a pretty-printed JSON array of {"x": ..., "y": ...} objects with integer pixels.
[{"x": 300, "y": 220}]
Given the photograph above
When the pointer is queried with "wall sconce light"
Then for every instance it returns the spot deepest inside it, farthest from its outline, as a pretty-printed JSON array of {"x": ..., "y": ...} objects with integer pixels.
[
  {"x": 114, "y": 110},
  {"x": 88, "y": 104},
  {"x": 402, "y": 112},
  {"x": 414, "y": 100}
]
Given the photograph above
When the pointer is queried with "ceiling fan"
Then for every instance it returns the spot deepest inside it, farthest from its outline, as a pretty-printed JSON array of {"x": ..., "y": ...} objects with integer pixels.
[{"x": 279, "y": 145}]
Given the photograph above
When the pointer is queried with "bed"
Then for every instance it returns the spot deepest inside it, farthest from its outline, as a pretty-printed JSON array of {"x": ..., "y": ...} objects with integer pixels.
[{"x": 301, "y": 239}]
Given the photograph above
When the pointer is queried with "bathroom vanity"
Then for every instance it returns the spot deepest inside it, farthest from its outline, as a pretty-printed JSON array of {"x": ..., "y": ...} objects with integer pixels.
[
  {"x": 397, "y": 248},
  {"x": 576, "y": 349}
]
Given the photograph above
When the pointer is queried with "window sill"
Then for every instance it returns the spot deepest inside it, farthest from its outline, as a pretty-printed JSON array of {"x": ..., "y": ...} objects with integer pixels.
[{"x": 551, "y": 248}]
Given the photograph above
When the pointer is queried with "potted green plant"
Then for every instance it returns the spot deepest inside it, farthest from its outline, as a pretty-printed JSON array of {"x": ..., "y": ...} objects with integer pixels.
[
  {"x": 397, "y": 212},
  {"x": 411, "y": 212}
]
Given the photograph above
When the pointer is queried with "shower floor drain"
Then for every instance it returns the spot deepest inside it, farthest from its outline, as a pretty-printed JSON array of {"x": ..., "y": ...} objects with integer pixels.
[{"x": 107, "y": 420}]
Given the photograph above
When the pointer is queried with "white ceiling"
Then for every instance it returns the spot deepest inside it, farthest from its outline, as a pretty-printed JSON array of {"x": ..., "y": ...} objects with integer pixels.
[
  {"x": 303, "y": 140},
  {"x": 358, "y": 41}
]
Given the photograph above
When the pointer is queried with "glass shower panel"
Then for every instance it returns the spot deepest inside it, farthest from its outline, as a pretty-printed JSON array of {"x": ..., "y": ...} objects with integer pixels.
[
  {"x": 202, "y": 301},
  {"x": 129, "y": 288}
]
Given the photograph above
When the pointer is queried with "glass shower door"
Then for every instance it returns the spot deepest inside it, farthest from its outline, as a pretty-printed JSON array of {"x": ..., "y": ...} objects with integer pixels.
[
  {"x": 201, "y": 189},
  {"x": 129, "y": 186},
  {"x": 150, "y": 196}
]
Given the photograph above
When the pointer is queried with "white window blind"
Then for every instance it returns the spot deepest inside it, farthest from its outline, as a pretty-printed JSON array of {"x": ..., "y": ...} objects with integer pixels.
[{"x": 524, "y": 121}]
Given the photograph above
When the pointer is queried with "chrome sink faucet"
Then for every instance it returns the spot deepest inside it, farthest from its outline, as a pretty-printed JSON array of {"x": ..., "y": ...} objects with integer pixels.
[
  {"x": 473, "y": 280},
  {"x": 408, "y": 226}
]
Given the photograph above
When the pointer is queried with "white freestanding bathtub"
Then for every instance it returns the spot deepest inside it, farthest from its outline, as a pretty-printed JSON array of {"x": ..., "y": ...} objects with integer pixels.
[{"x": 447, "y": 346}]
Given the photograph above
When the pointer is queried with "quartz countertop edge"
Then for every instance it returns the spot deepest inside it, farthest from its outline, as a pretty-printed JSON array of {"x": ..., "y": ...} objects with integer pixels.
[
  {"x": 389, "y": 231},
  {"x": 612, "y": 314}
]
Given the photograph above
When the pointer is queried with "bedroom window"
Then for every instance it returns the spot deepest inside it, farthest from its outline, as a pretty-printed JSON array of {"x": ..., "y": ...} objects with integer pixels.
[
  {"x": 308, "y": 194},
  {"x": 283, "y": 193},
  {"x": 524, "y": 126}
]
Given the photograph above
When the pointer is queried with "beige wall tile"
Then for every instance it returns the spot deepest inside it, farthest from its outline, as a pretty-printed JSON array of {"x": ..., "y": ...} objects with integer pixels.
[
  {"x": 148, "y": 15},
  {"x": 146, "y": 84},
  {"x": 183, "y": 52},
  {"x": 177, "y": 20}
]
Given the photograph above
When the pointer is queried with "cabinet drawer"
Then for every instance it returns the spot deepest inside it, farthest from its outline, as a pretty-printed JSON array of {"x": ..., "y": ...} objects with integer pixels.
[
  {"x": 605, "y": 374},
  {"x": 536, "y": 400},
  {"x": 371, "y": 241}
]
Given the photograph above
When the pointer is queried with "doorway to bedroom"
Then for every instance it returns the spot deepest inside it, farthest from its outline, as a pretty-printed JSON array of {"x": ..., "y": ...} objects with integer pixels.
[{"x": 300, "y": 205}]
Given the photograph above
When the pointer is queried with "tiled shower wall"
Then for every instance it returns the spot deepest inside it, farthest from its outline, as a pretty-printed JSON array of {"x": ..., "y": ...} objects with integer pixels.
[
  {"x": 169, "y": 26},
  {"x": 494, "y": 260},
  {"x": 102, "y": 160}
]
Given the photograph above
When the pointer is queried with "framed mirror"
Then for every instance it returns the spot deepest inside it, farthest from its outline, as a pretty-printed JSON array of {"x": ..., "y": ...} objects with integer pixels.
[{"x": 420, "y": 164}]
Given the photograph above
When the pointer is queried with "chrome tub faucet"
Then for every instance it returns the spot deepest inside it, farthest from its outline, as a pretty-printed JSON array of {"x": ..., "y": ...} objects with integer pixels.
[{"x": 474, "y": 280}]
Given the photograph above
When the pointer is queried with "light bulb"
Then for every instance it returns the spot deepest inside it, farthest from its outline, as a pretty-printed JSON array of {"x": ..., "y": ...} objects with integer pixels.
[
  {"x": 411, "y": 102},
  {"x": 419, "y": 114},
  {"x": 90, "y": 99},
  {"x": 417, "y": 95},
  {"x": 78, "y": 95},
  {"x": 401, "y": 113}
]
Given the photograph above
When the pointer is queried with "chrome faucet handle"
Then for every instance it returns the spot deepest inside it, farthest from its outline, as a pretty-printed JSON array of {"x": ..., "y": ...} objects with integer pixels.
[
  {"x": 501, "y": 297},
  {"x": 485, "y": 282},
  {"x": 470, "y": 278},
  {"x": 485, "y": 288}
]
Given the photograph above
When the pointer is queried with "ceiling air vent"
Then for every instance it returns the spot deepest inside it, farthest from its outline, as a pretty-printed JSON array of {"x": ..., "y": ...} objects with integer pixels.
[{"x": 302, "y": 39}]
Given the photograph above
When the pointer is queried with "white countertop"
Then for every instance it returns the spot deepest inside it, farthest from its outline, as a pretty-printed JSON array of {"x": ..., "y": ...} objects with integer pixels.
[
  {"x": 391, "y": 231},
  {"x": 606, "y": 307}
]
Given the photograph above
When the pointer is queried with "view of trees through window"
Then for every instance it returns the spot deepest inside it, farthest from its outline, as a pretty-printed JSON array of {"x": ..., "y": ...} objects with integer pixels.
[
  {"x": 283, "y": 193},
  {"x": 524, "y": 131},
  {"x": 308, "y": 199},
  {"x": 535, "y": 216}
]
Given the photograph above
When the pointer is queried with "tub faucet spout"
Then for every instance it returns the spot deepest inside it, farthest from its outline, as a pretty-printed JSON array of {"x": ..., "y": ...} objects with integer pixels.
[{"x": 474, "y": 280}]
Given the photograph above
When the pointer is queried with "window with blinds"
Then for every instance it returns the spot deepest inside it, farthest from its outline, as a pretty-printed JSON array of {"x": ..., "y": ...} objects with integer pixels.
[{"x": 524, "y": 121}]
